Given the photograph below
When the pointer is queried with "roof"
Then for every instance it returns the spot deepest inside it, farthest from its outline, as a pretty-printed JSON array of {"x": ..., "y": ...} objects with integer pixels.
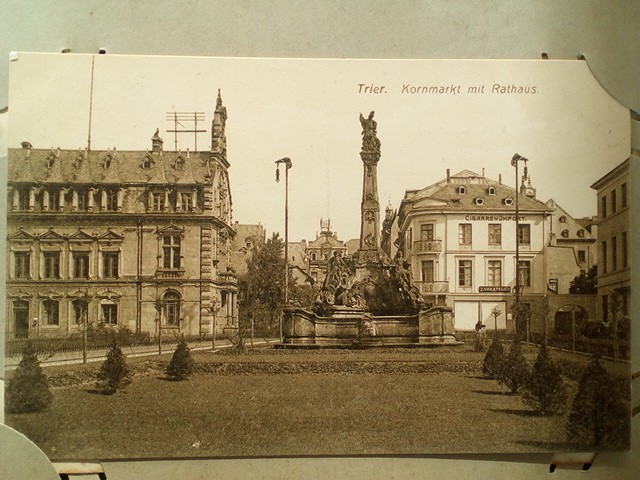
[
  {"x": 106, "y": 167},
  {"x": 611, "y": 174},
  {"x": 480, "y": 194}
]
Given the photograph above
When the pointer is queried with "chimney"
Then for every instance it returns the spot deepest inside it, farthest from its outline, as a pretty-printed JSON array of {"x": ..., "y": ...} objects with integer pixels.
[
  {"x": 156, "y": 142},
  {"x": 500, "y": 178},
  {"x": 448, "y": 175},
  {"x": 483, "y": 171}
]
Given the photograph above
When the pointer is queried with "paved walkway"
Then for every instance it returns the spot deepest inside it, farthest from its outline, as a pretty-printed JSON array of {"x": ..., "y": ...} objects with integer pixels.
[{"x": 70, "y": 358}]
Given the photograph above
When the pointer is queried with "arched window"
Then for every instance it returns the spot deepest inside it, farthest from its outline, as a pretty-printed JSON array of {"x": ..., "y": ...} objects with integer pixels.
[
  {"x": 80, "y": 311},
  {"x": 171, "y": 308},
  {"x": 50, "y": 312},
  {"x": 462, "y": 190}
]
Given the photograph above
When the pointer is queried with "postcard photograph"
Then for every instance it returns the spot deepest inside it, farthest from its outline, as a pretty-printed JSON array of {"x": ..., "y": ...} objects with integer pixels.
[{"x": 245, "y": 257}]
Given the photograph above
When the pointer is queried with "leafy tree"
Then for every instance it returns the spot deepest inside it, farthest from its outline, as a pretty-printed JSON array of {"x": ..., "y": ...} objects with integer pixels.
[
  {"x": 114, "y": 373},
  {"x": 181, "y": 365},
  {"x": 545, "y": 389},
  {"x": 599, "y": 415},
  {"x": 585, "y": 282},
  {"x": 261, "y": 289},
  {"x": 494, "y": 359},
  {"x": 514, "y": 373},
  {"x": 28, "y": 389}
]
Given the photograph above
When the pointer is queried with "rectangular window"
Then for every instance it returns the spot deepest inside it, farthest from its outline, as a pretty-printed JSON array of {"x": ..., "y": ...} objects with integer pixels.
[
  {"x": 625, "y": 251},
  {"x": 464, "y": 274},
  {"x": 494, "y": 273},
  {"x": 158, "y": 202},
  {"x": 614, "y": 203},
  {"x": 428, "y": 271},
  {"x": 51, "y": 264},
  {"x": 464, "y": 234},
  {"x": 604, "y": 256},
  {"x": 426, "y": 232},
  {"x": 51, "y": 312},
  {"x": 495, "y": 234},
  {"x": 582, "y": 256},
  {"x": 171, "y": 251},
  {"x": 83, "y": 200},
  {"x": 80, "y": 265},
  {"x": 603, "y": 206},
  {"x": 187, "y": 201},
  {"x": 623, "y": 195},
  {"x": 109, "y": 313},
  {"x": 54, "y": 200},
  {"x": 524, "y": 273},
  {"x": 614, "y": 254},
  {"x": 110, "y": 264},
  {"x": 524, "y": 234},
  {"x": 111, "y": 204},
  {"x": 23, "y": 199},
  {"x": 22, "y": 265}
]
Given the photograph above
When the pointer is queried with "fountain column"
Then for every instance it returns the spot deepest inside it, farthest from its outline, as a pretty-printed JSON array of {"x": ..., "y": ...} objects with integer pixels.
[{"x": 369, "y": 251}]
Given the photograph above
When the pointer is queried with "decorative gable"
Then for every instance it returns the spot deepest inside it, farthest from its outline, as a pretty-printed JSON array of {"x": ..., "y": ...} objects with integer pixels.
[
  {"x": 110, "y": 236},
  {"x": 21, "y": 236},
  {"x": 52, "y": 236},
  {"x": 81, "y": 236}
]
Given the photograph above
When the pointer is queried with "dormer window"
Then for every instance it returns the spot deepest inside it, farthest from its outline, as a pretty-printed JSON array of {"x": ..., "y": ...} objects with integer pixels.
[
  {"x": 479, "y": 201},
  {"x": 147, "y": 162},
  {"x": 462, "y": 190},
  {"x": 50, "y": 160},
  {"x": 491, "y": 190},
  {"x": 179, "y": 164},
  {"x": 508, "y": 201},
  {"x": 564, "y": 233},
  {"x": 106, "y": 163},
  {"x": 563, "y": 219},
  {"x": 580, "y": 233}
]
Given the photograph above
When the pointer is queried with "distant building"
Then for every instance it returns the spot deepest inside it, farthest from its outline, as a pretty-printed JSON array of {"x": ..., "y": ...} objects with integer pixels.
[
  {"x": 135, "y": 239},
  {"x": 247, "y": 238},
  {"x": 459, "y": 237},
  {"x": 312, "y": 257},
  {"x": 614, "y": 273}
]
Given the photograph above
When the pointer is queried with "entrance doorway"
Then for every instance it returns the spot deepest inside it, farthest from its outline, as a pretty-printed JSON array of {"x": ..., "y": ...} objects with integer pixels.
[{"x": 21, "y": 318}]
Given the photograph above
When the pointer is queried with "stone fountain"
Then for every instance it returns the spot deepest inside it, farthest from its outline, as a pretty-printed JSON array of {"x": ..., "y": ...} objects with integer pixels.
[{"x": 368, "y": 299}]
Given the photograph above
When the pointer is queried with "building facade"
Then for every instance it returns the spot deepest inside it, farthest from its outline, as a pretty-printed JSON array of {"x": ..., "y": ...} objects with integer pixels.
[
  {"x": 459, "y": 236},
  {"x": 132, "y": 239},
  {"x": 614, "y": 271}
]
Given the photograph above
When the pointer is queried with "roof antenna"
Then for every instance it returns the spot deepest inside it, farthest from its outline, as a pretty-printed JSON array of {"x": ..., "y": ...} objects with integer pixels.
[{"x": 93, "y": 59}]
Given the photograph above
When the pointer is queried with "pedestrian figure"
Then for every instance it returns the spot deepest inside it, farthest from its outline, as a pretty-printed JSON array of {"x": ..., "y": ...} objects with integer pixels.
[{"x": 481, "y": 336}]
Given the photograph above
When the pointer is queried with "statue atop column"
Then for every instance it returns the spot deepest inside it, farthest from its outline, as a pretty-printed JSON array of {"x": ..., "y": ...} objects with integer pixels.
[{"x": 370, "y": 142}]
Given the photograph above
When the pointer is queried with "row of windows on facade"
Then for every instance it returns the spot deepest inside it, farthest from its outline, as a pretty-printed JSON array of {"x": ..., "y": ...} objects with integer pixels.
[
  {"x": 610, "y": 250},
  {"x": 104, "y": 200},
  {"x": 465, "y": 233},
  {"x": 465, "y": 273},
  {"x": 80, "y": 261},
  {"x": 613, "y": 206},
  {"x": 170, "y": 304}
]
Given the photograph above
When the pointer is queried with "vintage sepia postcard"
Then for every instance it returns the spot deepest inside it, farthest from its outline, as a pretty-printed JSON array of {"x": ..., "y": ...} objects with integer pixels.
[{"x": 234, "y": 257}]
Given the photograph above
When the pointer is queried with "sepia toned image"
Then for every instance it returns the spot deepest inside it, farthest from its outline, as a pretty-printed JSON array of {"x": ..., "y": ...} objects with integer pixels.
[{"x": 227, "y": 257}]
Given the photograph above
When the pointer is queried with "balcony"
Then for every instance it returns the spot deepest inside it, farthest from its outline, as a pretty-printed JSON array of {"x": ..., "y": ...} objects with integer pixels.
[
  {"x": 170, "y": 272},
  {"x": 438, "y": 286},
  {"x": 427, "y": 246}
]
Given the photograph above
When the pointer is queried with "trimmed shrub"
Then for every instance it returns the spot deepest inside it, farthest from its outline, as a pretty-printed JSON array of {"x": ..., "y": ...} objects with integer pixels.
[
  {"x": 599, "y": 416},
  {"x": 494, "y": 359},
  {"x": 515, "y": 369},
  {"x": 545, "y": 390},
  {"x": 28, "y": 389},
  {"x": 181, "y": 365},
  {"x": 114, "y": 373}
]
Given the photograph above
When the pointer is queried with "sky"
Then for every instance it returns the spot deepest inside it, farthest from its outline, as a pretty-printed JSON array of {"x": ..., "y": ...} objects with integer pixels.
[{"x": 570, "y": 129}]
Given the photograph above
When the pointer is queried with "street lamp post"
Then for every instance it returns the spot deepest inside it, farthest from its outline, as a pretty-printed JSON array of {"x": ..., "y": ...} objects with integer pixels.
[
  {"x": 514, "y": 163},
  {"x": 288, "y": 164}
]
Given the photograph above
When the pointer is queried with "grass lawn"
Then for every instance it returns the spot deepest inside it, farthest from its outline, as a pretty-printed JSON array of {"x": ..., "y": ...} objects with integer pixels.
[{"x": 355, "y": 412}]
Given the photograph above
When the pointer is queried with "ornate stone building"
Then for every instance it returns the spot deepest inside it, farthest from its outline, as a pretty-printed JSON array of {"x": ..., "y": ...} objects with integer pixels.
[{"x": 135, "y": 239}]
